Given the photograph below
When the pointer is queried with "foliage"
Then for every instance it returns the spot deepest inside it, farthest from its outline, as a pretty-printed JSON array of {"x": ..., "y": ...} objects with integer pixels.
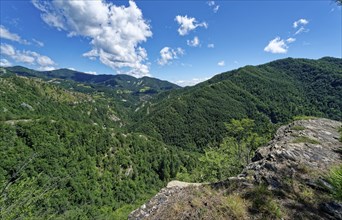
[
  {"x": 78, "y": 146},
  {"x": 271, "y": 94},
  {"x": 231, "y": 156},
  {"x": 237, "y": 206},
  {"x": 120, "y": 87},
  {"x": 303, "y": 117},
  {"x": 335, "y": 178},
  {"x": 64, "y": 158},
  {"x": 263, "y": 202}
]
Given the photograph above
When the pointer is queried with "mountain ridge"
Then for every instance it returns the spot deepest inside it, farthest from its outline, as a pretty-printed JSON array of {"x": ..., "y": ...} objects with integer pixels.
[{"x": 270, "y": 93}]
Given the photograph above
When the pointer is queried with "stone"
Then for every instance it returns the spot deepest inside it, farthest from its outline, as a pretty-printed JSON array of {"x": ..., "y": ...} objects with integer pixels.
[{"x": 332, "y": 208}]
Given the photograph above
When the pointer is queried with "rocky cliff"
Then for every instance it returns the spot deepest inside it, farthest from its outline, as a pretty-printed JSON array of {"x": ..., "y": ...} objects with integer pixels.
[{"x": 287, "y": 179}]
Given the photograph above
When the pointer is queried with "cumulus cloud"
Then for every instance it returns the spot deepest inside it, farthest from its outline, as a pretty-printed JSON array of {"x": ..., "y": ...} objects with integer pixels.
[
  {"x": 188, "y": 24},
  {"x": 194, "y": 43},
  {"x": 212, "y": 4},
  {"x": 221, "y": 63},
  {"x": 301, "y": 21},
  {"x": 168, "y": 54},
  {"x": 6, "y": 34},
  {"x": 26, "y": 56},
  {"x": 115, "y": 32},
  {"x": 43, "y": 60},
  {"x": 5, "y": 63},
  {"x": 276, "y": 45}
]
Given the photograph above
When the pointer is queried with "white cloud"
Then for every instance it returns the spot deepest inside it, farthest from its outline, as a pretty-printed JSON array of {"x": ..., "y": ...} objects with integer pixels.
[
  {"x": 301, "y": 30},
  {"x": 301, "y": 21},
  {"x": 6, "y": 49},
  {"x": 211, "y": 45},
  {"x": 300, "y": 24},
  {"x": 190, "y": 82},
  {"x": 46, "y": 68},
  {"x": 290, "y": 40},
  {"x": 6, "y": 34},
  {"x": 168, "y": 54},
  {"x": 194, "y": 43},
  {"x": 5, "y": 63},
  {"x": 188, "y": 24},
  {"x": 38, "y": 43},
  {"x": 26, "y": 56},
  {"x": 276, "y": 45},
  {"x": 115, "y": 32},
  {"x": 91, "y": 72},
  {"x": 212, "y": 4},
  {"x": 221, "y": 63},
  {"x": 216, "y": 8},
  {"x": 44, "y": 60}
]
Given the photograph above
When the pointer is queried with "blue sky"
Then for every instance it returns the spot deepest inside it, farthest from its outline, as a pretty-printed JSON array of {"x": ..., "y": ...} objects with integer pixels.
[{"x": 184, "y": 42}]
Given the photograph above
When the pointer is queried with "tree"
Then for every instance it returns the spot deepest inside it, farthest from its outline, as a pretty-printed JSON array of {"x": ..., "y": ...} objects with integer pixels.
[{"x": 245, "y": 136}]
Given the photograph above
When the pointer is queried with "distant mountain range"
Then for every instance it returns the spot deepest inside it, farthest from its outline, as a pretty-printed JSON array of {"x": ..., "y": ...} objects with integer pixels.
[{"x": 124, "y": 87}]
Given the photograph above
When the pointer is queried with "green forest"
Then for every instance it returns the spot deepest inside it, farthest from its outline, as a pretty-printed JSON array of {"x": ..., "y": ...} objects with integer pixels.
[{"x": 75, "y": 146}]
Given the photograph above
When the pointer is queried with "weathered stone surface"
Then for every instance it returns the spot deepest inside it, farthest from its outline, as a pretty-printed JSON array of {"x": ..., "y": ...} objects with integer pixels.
[
  {"x": 333, "y": 208},
  {"x": 300, "y": 153}
]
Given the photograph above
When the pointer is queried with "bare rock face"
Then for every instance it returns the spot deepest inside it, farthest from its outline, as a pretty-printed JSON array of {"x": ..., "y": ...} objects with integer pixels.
[
  {"x": 305, "y": 144},
  {"x": 293, "y": 168}
]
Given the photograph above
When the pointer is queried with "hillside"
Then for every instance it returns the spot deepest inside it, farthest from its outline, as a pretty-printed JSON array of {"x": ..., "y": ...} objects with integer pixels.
[
  {"x": 79, "y": 146},
  {"x": 193, "y": 118},
  {"x": 127, "y": 90},
  {"x": 65, "y": 155},
  {"x": 296, "y": 176}
]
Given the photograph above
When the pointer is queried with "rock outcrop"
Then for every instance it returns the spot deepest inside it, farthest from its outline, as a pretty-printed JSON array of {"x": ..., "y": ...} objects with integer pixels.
[{"x": 287, "y": 179}]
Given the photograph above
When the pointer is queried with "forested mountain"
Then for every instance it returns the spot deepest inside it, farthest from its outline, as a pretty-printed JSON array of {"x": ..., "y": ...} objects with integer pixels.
[
  {"x": 79, "y": 146},
  {"x": 193, "y": 117},
  {"x": 127, "y": 90},
  {"x": 64, "y": 155}
]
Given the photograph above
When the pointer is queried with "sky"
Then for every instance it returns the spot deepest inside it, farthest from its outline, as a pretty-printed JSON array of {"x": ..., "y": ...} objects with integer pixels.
[{"x": 184, "y": 42}]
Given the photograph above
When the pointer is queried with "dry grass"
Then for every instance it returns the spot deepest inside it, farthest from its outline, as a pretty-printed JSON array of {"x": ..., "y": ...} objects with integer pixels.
[{"x": 237, "y": 206}]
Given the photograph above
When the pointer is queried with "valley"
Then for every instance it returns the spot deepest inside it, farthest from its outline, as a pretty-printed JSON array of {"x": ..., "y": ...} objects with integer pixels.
[{"x": 81, "y": 146}]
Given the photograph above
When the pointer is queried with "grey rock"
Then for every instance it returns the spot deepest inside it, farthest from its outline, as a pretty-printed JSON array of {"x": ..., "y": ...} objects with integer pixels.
[{"x": 332, "y": 208}]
